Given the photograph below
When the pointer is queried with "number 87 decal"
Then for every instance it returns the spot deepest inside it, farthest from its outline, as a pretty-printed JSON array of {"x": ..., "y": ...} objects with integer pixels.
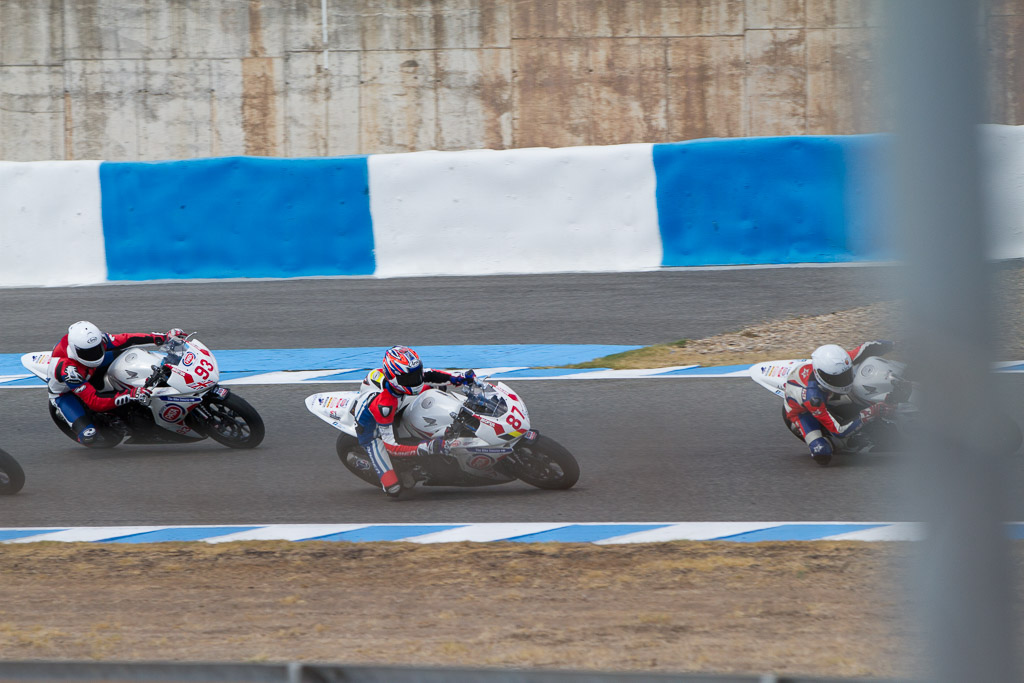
[
  {"x": 204, "y": 368},
  {"x": 514, "y": 421}
]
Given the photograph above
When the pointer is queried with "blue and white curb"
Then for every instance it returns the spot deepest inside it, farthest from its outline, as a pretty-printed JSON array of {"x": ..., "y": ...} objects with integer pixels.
[
  {"x": 516, "y": 374},
  {"x": 596, "y": 532},
  {"x": 520, "y": 362},
  {"x": 513, "y": 362}
]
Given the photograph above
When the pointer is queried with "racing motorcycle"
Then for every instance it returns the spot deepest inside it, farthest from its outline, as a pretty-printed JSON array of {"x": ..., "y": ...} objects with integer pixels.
[
  {"x": 875, "y": 380},
  {"x": 186, "y": 404},
  {"x": 489, "y": 431},
  {"x": 12, "y": 477}
]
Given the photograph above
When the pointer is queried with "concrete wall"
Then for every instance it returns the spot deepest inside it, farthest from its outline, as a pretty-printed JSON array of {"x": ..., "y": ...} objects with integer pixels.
[{"x": 175, "y": 79}]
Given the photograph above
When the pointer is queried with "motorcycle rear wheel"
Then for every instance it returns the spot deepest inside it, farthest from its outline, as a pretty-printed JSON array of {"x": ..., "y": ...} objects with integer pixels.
[
  {"x": 354, "y": 458},
  {"x": 234, "y": 423},
  {"x": 12, "y": 477},
  {"x": 546, "y": 464}
]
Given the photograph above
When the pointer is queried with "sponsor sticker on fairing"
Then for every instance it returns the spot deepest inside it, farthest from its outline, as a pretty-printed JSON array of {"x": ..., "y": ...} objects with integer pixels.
[
  {"x": 172, "y": 413},
  {"x": 189, "y": 359},
  {"x": 481, "y": 462}
]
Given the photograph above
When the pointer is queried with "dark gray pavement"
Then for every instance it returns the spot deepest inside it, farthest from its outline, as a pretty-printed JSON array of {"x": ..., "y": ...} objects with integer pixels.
[
  {"x": 619, "y": 308},
  {"x": 650, "y": 450},
  {"x": 653, "y": 450}
]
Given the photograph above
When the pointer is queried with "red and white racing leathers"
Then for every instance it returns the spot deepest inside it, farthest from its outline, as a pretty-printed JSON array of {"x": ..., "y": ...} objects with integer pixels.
[
  {"x": 375, "y": 412},
  {"x": 810, "y": 407},
  {"x": 73, "y": 385}
]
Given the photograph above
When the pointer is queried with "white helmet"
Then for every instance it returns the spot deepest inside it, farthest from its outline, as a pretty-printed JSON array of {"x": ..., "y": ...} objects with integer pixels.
[
  {"x": 833, "y": 368},
  {"x": 86, "y": 343}
]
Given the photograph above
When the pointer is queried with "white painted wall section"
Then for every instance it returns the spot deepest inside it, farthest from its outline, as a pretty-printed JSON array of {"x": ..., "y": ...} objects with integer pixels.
[
  {"x": 515, "y": 211},
  {"x": 51, "y": 227},
  {"x": 1003, "y": 183}
]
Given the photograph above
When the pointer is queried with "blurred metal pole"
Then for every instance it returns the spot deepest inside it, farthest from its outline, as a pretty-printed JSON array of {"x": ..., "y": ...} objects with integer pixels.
[{"x": 964, "y": 571}]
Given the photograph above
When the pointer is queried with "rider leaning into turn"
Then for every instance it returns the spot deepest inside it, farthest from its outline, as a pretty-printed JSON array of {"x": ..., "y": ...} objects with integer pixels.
[
  {"x": 826, "y": 381},
  {"x": 382, "y": 392},
  {"x": 78, "y": 364}
]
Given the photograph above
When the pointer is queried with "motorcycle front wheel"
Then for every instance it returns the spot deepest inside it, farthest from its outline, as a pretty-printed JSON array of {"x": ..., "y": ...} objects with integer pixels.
[
  {"x": 354, "y": 458},
  {"x": 234, "y": 423},
  {"x": 12, "y": 477},
  {"x": 546, "y": 464}
]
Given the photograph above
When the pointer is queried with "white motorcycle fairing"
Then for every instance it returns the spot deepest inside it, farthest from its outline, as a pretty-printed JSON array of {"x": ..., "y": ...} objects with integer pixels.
[
  {"x": 169, "y": 404},
  {"x": 190, "y": 371},
  {"x": 772, "y": 374},
  {"x": 873, "y": 379},
  {"x": 500, "y": 418}
]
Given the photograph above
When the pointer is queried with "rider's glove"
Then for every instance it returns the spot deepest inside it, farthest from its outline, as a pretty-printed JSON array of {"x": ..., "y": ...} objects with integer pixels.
[
  {"x": 432, "y": 447},
  {"x": 468, "y": 377},
  {"x": 137, "y": 394},
  {"x": 875, "y": 411},
  {"x": 174, "y": 332}
]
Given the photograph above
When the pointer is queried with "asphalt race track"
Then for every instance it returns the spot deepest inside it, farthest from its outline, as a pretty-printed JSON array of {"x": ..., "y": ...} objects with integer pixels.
[
  {"x": 650, "y": 450},
  {"x": 626, "y": 308}
]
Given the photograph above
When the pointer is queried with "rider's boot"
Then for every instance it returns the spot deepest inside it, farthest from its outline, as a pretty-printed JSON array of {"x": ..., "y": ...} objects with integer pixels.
[
  {"x": 85, "y": 430},
  {"x": 389, "y": 482},
  {"x": 87, "y": 435},
  {"x": 821, "y": 451}
]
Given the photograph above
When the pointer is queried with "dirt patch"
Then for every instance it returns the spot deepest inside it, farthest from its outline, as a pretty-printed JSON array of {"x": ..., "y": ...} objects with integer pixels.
[
  {"x": 772, "y": 340},
  {"x": 826, "y": 609},
  {"x": 798, "y": 337}
]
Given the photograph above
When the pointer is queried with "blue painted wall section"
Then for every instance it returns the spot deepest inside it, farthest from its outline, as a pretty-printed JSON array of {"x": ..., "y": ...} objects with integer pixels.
[
  {"x": 766, "y": 200},
  {"x": 237, "y": 217}
]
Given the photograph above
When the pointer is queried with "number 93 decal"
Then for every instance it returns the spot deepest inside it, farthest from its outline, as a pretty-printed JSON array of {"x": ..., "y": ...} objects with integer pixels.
[{"x": 204, "y": 368}]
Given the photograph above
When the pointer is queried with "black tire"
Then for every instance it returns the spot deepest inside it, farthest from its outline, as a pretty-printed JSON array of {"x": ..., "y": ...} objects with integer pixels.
[
  {"x": 12, "y": 477},
  {"x": 105, "y": 438},
  {"x": 546, "y": 464},
  {"x": 234, "y": 423},
  {"x": 354, "y": 458}
]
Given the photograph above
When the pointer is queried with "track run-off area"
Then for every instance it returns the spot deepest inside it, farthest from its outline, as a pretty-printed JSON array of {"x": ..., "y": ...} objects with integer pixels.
[{"x": 651, "y": 450}]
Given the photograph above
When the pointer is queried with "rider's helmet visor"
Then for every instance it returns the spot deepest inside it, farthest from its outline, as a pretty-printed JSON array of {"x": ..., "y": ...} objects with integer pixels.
[
  {"x": 413, "y": 378},
  {"x": 91, "y": 354},
  {"x": 839, "y": 381}
]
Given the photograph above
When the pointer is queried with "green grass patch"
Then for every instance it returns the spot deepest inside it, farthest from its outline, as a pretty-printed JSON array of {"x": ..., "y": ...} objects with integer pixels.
[{"x": 660, "y": 354}]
